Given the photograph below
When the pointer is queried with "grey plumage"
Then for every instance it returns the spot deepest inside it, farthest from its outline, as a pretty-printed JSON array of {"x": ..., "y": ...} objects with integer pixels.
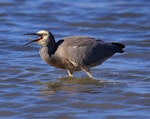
[{"x": 75, "y": 53}]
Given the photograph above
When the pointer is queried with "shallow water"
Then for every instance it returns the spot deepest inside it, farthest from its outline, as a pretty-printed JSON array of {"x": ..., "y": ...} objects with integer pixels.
[{"x": 29, "y": 88}]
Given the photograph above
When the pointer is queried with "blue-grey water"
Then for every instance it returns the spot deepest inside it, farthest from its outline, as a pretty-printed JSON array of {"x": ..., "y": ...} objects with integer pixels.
[{"x": 31, "y": 89}]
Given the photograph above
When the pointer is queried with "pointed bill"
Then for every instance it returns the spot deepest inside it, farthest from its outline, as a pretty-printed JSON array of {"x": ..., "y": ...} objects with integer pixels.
[{"x": 40, "y": 37}]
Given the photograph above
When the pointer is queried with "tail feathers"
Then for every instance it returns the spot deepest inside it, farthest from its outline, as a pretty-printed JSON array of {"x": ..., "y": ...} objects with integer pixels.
[{"x": 121, "y": 46}]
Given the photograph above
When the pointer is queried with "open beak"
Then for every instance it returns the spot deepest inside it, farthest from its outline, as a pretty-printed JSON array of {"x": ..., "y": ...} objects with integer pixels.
[{"x": 39, "y": 38}]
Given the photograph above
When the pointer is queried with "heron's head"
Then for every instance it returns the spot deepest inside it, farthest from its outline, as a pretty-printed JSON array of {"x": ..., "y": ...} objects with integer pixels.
[{"x": 42, "y": 39}]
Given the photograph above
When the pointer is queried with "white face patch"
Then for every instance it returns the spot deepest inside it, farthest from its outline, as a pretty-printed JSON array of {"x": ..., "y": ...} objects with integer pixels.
[{"x": 43, "y": 37}]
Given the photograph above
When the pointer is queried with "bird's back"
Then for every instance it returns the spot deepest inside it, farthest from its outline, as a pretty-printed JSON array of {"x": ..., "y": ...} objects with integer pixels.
[{"x": 85, "y": 51}]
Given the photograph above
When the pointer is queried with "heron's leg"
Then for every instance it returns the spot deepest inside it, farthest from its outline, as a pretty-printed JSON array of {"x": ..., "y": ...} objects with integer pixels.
[
  {"x": 70, "y": 73},
  {"x": 87, "y": 71}
]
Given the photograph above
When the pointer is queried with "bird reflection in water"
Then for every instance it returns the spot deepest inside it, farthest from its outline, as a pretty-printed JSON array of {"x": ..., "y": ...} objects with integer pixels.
[{"x": 73, "y": 85}]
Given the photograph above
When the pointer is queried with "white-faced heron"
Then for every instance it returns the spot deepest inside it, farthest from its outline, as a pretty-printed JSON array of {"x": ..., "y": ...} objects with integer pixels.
[{"x": 75, "y": 53}]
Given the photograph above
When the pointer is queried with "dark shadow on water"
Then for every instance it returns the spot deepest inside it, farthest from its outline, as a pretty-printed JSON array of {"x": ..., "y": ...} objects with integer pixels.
[{"x": 73, "y": 85}]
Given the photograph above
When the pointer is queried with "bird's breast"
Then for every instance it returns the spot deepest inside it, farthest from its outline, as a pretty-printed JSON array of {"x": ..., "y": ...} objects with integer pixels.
[{"x": 54, "y": 59}]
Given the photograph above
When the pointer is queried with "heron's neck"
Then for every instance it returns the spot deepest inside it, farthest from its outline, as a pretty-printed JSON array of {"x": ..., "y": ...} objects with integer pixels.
[
  {"x": 47, "y": 53},
  {"x": 51, "y": 47}
]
